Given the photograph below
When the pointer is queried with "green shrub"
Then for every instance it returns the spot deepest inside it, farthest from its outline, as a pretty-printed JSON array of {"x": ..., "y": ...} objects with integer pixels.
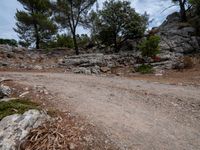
[
  {"x": 196, "y": 6},
  {"x": 10, "y": 42},
  {"x": 195, "y": 19},
  {"x": 24, "y": 44},
  {"x": 63, "y": 40},
  {"x": 144, "y": 69},
  {"x": 15, "y": 107},
  {"x": 83, "y": 40},
  {"x": 150, "y": 46}
]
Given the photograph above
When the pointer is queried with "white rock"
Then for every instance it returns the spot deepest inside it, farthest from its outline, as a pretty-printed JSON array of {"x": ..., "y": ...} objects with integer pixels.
[
  {"x": 16, "y": 127},
  {"x": 72, "y": 146},
  {"x": 37, "y": 67}
]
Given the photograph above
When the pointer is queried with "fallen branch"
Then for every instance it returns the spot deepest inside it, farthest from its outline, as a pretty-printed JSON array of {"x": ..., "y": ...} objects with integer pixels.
[{"x": 5, "y": 80}]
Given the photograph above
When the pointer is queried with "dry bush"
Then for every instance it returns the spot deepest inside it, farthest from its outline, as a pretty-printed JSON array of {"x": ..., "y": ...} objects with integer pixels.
[
  {"x": 45, "y": 137},
  {"x": 196, "y": 59},
  {"x": 188, "y": 62},
  {"x": 53, "y": 135},
  {"x": 191, "y": 61}
]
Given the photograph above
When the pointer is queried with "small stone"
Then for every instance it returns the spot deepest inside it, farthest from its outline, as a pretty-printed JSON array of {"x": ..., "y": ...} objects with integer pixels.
[
  {"x": 26, "y": 89},
  {"x": 72, "y": 146},
  {"x": 158, "y": 74},
  {"x": 105, "y": 69},
  {"x": 46, "y": 92},
  {"x": 37, "y": 67},
  {"x": 83, "y": 70}
]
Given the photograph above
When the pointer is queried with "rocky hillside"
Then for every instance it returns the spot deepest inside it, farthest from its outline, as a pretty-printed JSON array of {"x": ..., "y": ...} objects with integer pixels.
[
  {"x": 178, "y": 42},
  {"x": 29, "y": 59},
  {"x": 179, "y": 48}
]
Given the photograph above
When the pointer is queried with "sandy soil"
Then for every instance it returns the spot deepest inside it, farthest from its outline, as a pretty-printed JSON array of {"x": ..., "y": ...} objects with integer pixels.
[{"x": 134, "y": 114}]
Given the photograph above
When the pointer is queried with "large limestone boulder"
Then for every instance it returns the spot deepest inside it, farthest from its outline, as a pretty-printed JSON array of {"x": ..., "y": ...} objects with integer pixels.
[{"x": 15, "y": 128}]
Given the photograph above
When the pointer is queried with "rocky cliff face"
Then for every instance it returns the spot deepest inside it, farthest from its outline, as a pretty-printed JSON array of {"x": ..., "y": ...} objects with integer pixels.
[
  {"x": 178, "y": 37},
  {"x": 177, "y": 41}
]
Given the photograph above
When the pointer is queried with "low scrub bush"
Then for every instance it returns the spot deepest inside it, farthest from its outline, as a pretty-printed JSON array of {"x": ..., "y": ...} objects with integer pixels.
[
  {"x": 150, "y": 46},
  {"x": 63, "y": 40},
  {"x": 10, "y": 42},
  {"x": 144, "y": 69},
  {"x": 191, "y": 61}
]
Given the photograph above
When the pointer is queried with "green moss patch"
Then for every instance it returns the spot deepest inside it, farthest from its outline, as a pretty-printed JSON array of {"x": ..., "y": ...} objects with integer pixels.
[{"x": 17, "y": 106}]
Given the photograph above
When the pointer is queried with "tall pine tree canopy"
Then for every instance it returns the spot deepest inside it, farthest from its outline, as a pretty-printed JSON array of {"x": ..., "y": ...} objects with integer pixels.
[
  {"x": 34, "y": 25},
  {"x": 188, "y": 4},
  {"x": 118, "y": 21},
  {"x": 72, "y": 13}
]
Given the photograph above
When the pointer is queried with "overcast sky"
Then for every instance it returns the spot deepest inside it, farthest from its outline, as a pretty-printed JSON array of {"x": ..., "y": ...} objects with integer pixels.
[{"x": 153, "y": 7}]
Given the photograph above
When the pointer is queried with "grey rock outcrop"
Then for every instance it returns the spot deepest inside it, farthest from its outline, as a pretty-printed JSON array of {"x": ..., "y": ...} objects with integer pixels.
[
  {"x": 96, "y": 63},
  {"x": 177, "y": 40},
  {"x": 5, "y": 91},
  {"x": 178, "y": 37},
  {"x": 82, "y": 70},
  {"x": 85, "y": 60},
  {"x": 15, "y": 128}
]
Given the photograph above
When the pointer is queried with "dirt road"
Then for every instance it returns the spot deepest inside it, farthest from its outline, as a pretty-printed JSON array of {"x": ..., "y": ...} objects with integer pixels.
[{"x": 136, "y": 115}]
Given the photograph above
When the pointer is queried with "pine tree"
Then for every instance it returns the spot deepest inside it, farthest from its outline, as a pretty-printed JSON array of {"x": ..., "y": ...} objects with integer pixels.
[
  {"x": 72, "y": 13},
  {"x": 182, "y": 4},
  {"x": 196, "y": 6},
  {"x": 117, "y": 22},
  {"x": 34, "y": 25}
]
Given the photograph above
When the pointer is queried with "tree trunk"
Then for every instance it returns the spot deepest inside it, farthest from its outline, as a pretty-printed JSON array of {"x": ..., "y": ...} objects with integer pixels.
[
  {"x": 37, "y": 37},
  {"x": 115, "y": 44},
  {"x": 182, "y": 11},
  {"x": 37, "y": 42},
  {"x": 75, "y": 44}
]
